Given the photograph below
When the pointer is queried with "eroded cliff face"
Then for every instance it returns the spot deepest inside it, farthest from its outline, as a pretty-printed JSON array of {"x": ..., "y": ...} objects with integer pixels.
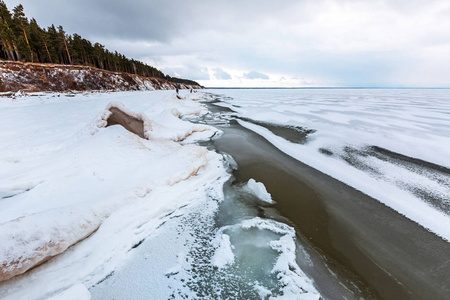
[{"x": 36, "y": 77}]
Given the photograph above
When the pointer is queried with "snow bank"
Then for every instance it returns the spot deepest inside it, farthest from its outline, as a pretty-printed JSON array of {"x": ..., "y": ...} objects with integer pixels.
[{"x": 79, "y": 197}]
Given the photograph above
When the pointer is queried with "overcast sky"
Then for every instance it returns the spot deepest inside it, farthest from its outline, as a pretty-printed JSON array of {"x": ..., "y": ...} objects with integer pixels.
[{"x": 396, "y": 43}]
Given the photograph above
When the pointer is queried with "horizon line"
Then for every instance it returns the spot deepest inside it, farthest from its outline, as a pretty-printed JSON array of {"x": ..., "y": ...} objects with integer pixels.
[{"x": 329, "y": 87}]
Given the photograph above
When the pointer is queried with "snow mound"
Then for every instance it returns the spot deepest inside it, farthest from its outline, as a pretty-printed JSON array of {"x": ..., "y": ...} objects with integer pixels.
[
  {"x": 165, "y": 124},
  {"x": 176, "y": 129}
]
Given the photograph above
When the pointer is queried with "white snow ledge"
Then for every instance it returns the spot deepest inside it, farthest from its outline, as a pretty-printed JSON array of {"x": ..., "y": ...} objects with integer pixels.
[{"x": 25, "y": 249}]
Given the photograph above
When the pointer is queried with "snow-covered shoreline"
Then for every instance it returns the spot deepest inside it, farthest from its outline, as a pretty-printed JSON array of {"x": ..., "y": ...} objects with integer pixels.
[
  {"x": 67, "y": 177},
  {"x": 63, "y": 180}
]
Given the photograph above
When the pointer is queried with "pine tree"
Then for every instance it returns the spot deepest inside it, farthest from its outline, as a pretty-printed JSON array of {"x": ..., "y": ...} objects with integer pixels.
[
  {"x": 4, "y": 39},
  {"x": 6, "y": 33},
  {"x": 19, "y": 16},
  {"x": 62, "y": 34}
]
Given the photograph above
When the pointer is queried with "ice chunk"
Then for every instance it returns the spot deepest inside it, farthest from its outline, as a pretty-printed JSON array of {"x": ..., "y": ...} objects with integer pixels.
[
  {"x": 263, "y": 292},
  {"x": 259, "y": 190},
  {"x": 224, "y": 254}
]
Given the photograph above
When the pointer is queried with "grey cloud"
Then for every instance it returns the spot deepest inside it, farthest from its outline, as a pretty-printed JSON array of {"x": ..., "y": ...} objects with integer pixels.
[
  {"x": 115, "y": 19},
  {"x": 147, "y": 19},
  {"x": 251, "y": 35},
  {"x": 255, "y": 75},
  {"x": 221, "y": 74}
]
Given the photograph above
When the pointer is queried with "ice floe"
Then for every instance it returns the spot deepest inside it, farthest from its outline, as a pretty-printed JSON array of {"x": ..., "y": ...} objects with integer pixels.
[{"x": 259, "y": 190}]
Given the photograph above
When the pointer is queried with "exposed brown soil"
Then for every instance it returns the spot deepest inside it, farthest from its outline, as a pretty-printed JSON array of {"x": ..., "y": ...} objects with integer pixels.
[{"x": 130, "y": 123}]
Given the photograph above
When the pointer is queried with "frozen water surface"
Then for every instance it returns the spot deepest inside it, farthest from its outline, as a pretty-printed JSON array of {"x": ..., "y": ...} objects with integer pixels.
[{"x": 392, "y": 144}]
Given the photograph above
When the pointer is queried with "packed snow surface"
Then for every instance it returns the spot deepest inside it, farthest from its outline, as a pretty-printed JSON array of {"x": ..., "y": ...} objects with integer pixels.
[
  {"x": 76, "y": 292},
  {"x": 82, "y": 202},
  {"x": 392, "y": 144}
]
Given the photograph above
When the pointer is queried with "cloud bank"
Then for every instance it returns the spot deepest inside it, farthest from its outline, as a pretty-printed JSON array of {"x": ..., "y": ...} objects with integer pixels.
[{"x": 322, "y": 42}]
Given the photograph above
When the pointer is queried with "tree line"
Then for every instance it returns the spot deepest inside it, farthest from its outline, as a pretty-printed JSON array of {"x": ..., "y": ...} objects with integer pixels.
[{"x": 24, "y": 40}]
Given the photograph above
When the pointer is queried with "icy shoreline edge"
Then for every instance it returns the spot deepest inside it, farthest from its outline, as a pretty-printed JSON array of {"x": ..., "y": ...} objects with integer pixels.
[{"x": 128, "y": 185}]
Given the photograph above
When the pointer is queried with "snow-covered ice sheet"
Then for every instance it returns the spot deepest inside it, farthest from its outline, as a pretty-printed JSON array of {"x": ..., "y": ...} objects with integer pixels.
[{"x": 392, "y": 144}]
